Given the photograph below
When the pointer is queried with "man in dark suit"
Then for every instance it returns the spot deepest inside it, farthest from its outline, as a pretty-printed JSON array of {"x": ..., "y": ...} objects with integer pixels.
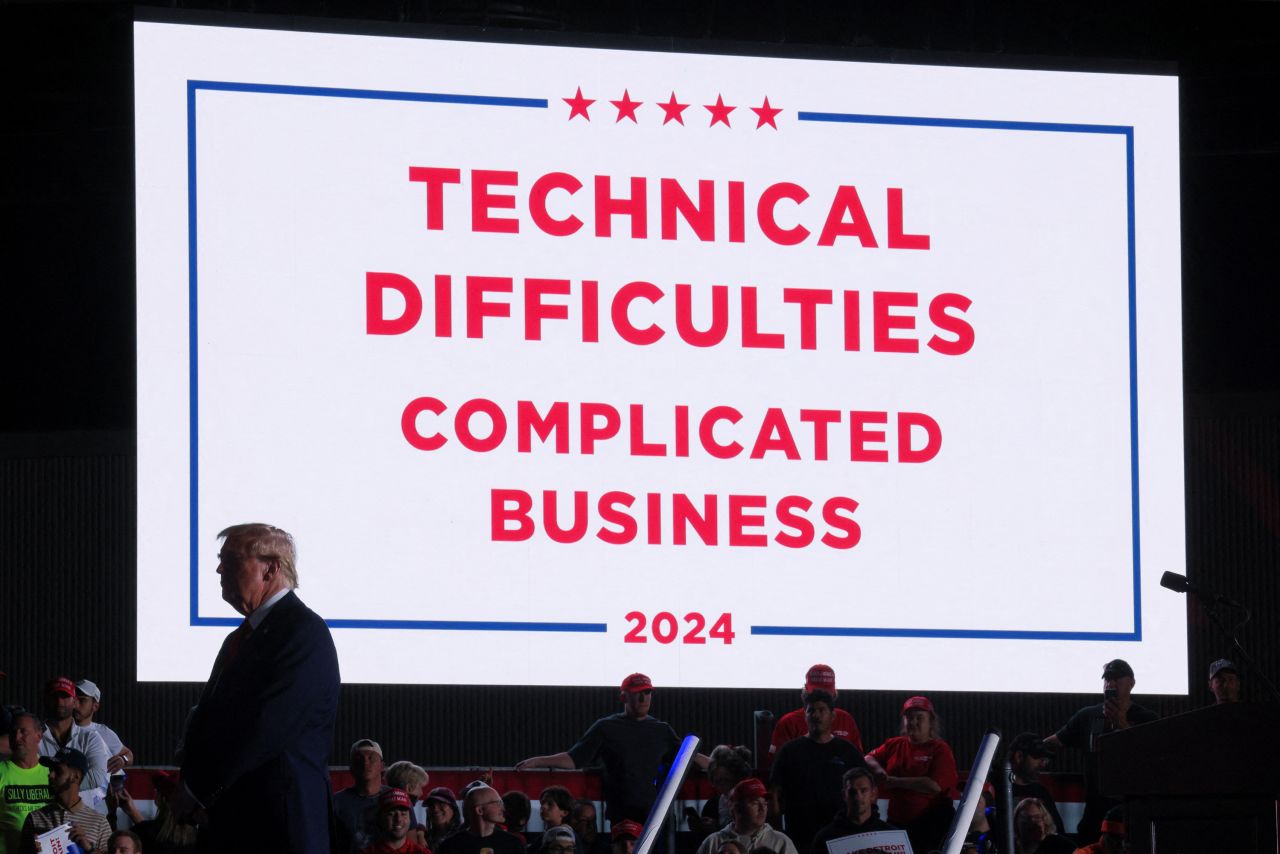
[{"x": 256, "y": 749}]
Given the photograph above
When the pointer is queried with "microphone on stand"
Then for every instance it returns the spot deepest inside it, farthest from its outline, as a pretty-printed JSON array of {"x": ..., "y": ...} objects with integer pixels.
[{"x": 1179, "y": 584}]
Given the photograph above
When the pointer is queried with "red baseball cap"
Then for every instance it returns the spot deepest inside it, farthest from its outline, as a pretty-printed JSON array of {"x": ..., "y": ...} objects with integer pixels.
[
  {"x": 627, "y": 827},
  {"x": 393, "y": 799},
  {"x": 917, "y": 703},
  {"x": 60, "y": 685},
  {"x": 748, "y": 790},
  {"x": 820, "y": 678},
  {"x": 637, "y": 682}
]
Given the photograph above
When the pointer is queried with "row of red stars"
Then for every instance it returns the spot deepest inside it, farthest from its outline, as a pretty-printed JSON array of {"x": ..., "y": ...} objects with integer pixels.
[{"x": 673, "y": 110}]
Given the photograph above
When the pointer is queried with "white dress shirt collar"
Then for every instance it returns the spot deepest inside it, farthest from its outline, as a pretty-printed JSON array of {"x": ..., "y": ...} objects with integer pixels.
[{"x": 260, "y": 614}]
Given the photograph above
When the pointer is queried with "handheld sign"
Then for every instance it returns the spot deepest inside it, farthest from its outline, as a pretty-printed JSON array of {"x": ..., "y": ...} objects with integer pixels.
[
  {"x": 57, "y": 841},
  {"x": 875, "y": 842}
]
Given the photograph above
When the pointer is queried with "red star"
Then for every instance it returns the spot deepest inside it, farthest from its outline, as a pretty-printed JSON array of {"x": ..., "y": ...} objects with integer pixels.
[
  {"x": 766, "y": 114},
  {"x": 719, "y": 112},
  {"x": 673, "y": 109},
  {"x": 626, "y": 107},
  {"x": 578, "y": 105}
]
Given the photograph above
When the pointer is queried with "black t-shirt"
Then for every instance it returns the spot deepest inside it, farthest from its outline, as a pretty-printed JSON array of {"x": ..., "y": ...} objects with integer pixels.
[
  {"x": 466, "y": 842},
  {"x": 635, "y": 754},
  {"x": 841, "y": 827},
  {"x": 809, "y": 778},
  {"x": 1082, "y": 732}
]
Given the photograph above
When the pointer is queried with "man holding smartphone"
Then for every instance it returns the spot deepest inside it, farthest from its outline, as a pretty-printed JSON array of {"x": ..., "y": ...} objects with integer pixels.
[
  {"x": 88, "y": 701},
  {"x": 1116, "y": 711}
]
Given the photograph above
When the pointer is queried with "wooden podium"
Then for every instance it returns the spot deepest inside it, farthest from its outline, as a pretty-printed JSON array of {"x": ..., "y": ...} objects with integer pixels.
[{"x": 1204, "y": 782}]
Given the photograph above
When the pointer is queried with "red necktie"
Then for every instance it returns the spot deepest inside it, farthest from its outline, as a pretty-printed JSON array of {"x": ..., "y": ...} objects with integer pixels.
[
  {"x": 230, "y": 650},
  {"x": 236, "y": 641}
]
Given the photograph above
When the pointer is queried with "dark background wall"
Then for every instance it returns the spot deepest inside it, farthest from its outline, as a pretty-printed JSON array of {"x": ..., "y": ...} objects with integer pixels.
[{"x": 67, "y": 472}]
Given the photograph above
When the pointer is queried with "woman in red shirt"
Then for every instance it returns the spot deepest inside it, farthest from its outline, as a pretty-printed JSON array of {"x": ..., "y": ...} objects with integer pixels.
[{"x": 917, "y": 770}]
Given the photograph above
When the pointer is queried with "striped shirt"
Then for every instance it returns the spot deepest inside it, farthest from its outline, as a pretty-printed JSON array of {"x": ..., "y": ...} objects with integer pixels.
[{"x": 94, "y": 824}]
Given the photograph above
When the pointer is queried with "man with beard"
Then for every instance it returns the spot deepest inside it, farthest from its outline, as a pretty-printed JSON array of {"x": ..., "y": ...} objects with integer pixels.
[
  {"x": 1028, "y": 757},
  {"x": 88, "y": 702},
  {"x": 89, "y": 828},
  {"x": 62, "y": 732}
]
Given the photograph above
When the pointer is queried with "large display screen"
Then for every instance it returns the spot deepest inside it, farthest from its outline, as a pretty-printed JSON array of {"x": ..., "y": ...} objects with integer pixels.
[{"x": 561, "y": 363}]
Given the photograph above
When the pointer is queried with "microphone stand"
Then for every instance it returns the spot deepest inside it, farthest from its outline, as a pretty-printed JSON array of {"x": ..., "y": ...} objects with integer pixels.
[
  {"x": 1006, "y": 807},
  {"x": 1246, "y": 659}
]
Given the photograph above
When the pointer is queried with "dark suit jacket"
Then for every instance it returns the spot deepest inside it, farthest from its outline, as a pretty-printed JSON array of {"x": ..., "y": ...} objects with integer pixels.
[{"x": 256, "y": 751}]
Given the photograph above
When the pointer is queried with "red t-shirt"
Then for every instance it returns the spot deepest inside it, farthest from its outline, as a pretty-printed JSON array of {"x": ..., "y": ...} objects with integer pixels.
[
  {"x": 900, "y": 758},
  {"x": 793, "y": 725}
]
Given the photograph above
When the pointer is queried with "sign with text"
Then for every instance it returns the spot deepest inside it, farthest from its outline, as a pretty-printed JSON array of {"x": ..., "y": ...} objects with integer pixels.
[
  {"x": 705, "y": 366},
  {"x": 876, "y": 842}
]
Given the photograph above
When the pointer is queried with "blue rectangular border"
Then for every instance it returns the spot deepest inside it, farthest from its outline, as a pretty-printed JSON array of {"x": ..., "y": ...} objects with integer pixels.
[
  {"x": 1036, "y": 127},
  {"x": 194, "y": 86}
]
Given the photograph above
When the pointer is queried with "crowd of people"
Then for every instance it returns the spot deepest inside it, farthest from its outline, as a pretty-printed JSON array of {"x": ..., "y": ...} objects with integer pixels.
[
  {"x": 816, "y": 784},
  {"x": 274, "y": 685}
]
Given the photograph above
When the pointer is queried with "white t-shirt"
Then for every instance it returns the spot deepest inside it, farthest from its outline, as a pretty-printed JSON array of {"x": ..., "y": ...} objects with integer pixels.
[{"x": 113, "y": 742}]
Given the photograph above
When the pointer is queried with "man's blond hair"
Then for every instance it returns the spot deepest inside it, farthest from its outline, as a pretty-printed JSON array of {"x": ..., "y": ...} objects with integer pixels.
[{"x": 263, "y": 541}]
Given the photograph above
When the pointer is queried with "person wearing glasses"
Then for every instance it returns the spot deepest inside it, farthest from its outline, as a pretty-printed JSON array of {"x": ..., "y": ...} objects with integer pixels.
[
  {"x": 634, "y": 748},
  {"x": 483, "y": 813}
]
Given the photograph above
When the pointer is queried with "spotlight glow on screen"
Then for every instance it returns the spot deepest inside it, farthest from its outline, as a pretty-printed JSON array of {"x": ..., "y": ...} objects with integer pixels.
[{"x": 705, "y": 366}]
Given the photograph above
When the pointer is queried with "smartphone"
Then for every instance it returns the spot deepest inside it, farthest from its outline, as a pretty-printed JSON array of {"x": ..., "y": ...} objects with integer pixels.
[
  {"x": 1110, "y": 693},
  {"x": 117, "y": 782}
]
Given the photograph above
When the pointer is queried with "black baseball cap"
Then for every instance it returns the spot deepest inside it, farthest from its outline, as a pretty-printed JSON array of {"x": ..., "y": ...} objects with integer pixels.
[
  {"x": 1117, "y": 668},
  {"x": 68, "y": 756},
  {"x": 1030, "y": 744},
  {"x": 1220, "y": 665}
]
